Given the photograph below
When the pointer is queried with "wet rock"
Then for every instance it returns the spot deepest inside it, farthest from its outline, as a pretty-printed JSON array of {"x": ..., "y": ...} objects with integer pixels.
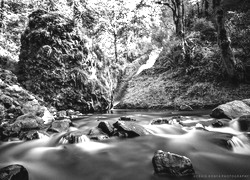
[
  {"x": 6, "y": 100},
  {"x": 96, "y": 131},
  {"x": 244, "y": 123},
  {"x": 74, "y": 137},
  {"x": 61, "y": 115},
  {"x": 231, "y": 110},
  {"x": 33, "y": 134},
  {"x": 126, "y": 118},
  {"x": 217, "y": 124},
  {"x": 246, "y": 101},
  {"x": 129, "y": 129},
  {"x": 71, "y": 112},
  {"x": 14, "y": 172},
  {"x": 159, "y": 121},
  {"x": 99, "y": 137},
  {"x": 172, "y": 164},
  {"x": 106, "y": 127},
  {"x": 60, "y": 125},
  {"x": 29, "y": 121},
  {"x": 185, "y": 107}
]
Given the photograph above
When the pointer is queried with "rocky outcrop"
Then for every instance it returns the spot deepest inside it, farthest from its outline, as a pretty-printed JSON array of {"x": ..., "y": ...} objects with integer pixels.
[
  {"x": 22, "y": 114},
  {"x": 14, "y": 172},
  {"x": 172, "y": 164},
  {"x": 56, "y": 64},
  {"x": 231, "y": 110}
]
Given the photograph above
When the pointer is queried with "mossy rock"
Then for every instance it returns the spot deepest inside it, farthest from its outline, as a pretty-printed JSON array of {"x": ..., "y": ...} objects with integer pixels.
[{"x": 54, "y": 64}]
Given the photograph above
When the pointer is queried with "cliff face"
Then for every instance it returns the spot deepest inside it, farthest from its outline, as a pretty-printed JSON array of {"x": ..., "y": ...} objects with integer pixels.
[{"x": 56, "y": 64}]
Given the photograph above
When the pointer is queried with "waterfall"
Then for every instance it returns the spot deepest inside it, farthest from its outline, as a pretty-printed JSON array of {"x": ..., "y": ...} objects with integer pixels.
[{"x": 151, "y": 60}]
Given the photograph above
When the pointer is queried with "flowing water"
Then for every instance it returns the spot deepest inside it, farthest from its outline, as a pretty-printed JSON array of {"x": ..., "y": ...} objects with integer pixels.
[{"x": 216, "y": 153}]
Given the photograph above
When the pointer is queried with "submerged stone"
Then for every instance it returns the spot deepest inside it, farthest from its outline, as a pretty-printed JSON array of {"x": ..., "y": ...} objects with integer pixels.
[{"x": 172, "y": 164}]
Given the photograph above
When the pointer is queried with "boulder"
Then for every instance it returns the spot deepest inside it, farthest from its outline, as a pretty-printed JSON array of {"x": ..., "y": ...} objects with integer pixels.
[
  {"x": 54, "y": 64},
  {"x": 244, "y": 123},
  {"x": 60, "y": 125},
  {"x": 96, "y": 131},
  {"x": 172, "y": 164},
  {"x": 246, "y": 101},
  {"x": 129, "y": 129},
  {"x": 14, "y": 172},
  {"x": 185, "y": 107},
  {"x": 33, "y": 107},
  {"x": 231, "y": 110},
  {"x": 106, "y": 127},
  {"x": 159, "y": 121},
  {"x": 29, "y": 121},
  {"x": 217, "y": 124}
]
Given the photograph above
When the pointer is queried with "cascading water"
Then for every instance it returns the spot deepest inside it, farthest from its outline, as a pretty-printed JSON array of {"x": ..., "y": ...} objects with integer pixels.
[{"x": 112, "y": 159}]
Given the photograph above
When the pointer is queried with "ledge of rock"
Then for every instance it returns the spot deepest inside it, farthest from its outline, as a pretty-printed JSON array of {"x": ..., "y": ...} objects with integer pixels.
[
  {"x": 172, "y": 164},
  {"x": 56, "y": 64},
  {"x": 231, "y": 110}
]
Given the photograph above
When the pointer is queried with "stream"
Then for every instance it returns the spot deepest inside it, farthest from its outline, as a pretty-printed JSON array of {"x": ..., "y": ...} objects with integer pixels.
[{"x": 216, "y": 153}]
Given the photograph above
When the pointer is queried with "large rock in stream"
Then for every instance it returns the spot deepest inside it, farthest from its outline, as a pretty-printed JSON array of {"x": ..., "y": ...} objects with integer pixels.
[
  {"x": 231, "y": 110},
  {"x": 172, "y": 164},
  {"x": 56, "y": 64},
  {"x": 14, "y": 172}
]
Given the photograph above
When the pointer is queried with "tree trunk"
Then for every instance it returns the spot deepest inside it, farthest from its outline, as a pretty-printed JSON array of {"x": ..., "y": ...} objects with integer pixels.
[
  {"x": 1, "y": 15},
  {"x": 179, "y": 18},
  {"x": 115, "y": 45},
  {"x": 224, "y": 43},
  {"x": 206, "y": 6}
]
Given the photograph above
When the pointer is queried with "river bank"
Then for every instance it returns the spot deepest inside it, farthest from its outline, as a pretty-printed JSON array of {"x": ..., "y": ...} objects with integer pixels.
[{"x": 170, "y": 90}]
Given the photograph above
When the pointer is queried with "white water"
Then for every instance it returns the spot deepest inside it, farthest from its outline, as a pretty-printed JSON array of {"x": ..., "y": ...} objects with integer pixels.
[{"x": 151, "y": 60}]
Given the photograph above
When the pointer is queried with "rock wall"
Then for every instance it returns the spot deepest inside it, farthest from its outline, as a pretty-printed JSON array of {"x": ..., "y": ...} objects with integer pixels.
[{"x": 56, "y": 64}]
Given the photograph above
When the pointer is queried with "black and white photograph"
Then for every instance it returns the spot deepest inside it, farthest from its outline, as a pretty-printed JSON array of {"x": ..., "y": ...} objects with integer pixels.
[{"x": 124, "y": 89}]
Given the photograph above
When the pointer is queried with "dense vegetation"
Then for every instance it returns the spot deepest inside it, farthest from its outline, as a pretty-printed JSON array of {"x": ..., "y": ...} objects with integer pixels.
[{"x": 205, "y": 45}]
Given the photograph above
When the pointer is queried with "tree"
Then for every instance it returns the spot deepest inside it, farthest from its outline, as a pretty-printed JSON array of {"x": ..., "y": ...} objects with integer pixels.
[
  {"x": 2, "y": 14},
  {"x": 178, "y": 10},
  {"x": 227, "y": 55}
]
